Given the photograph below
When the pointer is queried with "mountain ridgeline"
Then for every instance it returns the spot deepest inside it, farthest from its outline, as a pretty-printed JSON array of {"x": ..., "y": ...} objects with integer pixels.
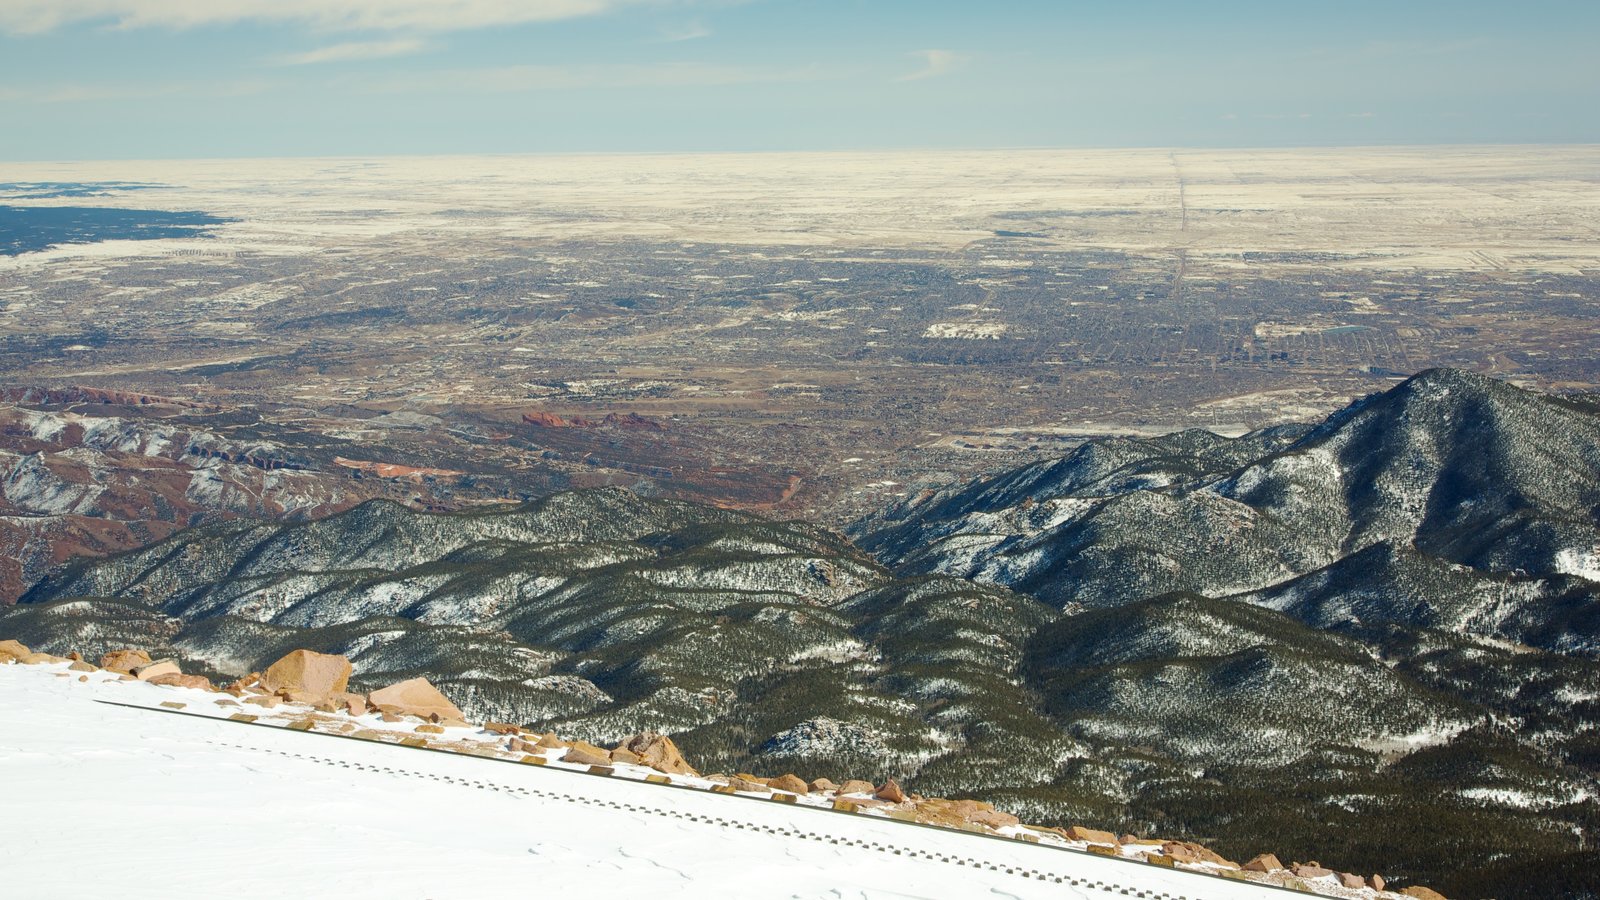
[{"x": 1375, "y": 640}]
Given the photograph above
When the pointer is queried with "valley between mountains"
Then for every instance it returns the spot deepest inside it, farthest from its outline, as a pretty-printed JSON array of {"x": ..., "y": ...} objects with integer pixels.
[{"x": 1373, "y": 641}]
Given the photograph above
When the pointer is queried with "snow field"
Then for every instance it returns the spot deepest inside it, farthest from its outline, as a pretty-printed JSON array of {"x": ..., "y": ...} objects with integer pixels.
[{"x": 165, "y": 804}]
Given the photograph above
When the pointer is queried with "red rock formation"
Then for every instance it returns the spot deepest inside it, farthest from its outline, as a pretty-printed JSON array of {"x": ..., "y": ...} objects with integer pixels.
[
  {"x": 393, "y": 470},
  {"x": 70, "y": 395},
  {"x": 543, "y": 419},
  {"x": 632, "y": 420},
  {"x": 550, "y": 420}
]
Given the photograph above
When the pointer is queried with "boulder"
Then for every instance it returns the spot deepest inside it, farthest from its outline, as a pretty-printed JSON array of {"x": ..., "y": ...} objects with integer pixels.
[
  {"x": 791, "y": 783},
  {"x": 1351, "y": 881},
  {"x": 854, "y": 786},
  {"x": 354, "y": 704},
  {"x": 1205, "y": 854},
  {"x": 658, "y": 752},
  {"x": 586, "y": 754},
  {"x": 1265, "y": 862},
  {"x": 414, "y": 697},
  {"x": 124, "y": 661},
  {"x": 1422, "y": 893},
  {"x": 1309, "y": 870},
  {"x": 304, "y": 676},
  {"x": 38, "y": 659},
  {"x": 956, "y": 813},
  {"x": 198, "y": 682},
  {"x": 157, "y": 669},
  {"x": 993, "y": 818},
  {"x": 743, "y": 783},
  {"x": 13, "y": 650},
  {"x": 1376, "y": 882},
  {"x": 267, "y": 701},
  {"x": 550, "y": 742},
  {"x": 428, "y": 728},
  {"x": 1178, "y": 853},
  {"x": 81, "y": 666},
  {"x": 821, "y": 785},
  {"x": 1091, "y": 835},
  {"x": 623, "y": 755},
  {"x": 248, "y": 682},
  {"x": 501, "y": 728},
  {"x": 890, "y": 792}
]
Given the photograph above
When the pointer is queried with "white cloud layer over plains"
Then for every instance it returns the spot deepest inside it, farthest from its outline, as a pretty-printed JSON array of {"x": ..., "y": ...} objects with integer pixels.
[{"x": 37, "y": 16}]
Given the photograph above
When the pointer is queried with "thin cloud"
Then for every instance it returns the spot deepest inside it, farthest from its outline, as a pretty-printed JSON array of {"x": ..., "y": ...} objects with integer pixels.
[
  {"x": 688, "y": 33},
  {"x": 100, "y": 92},
  {"x": 934, "y": 63},
  {"x": 355, "y": 50},
  {"x": 518, "y": 79},
  {"x": 1424, "y": 48},
  {"x": 39, "y": 16}
]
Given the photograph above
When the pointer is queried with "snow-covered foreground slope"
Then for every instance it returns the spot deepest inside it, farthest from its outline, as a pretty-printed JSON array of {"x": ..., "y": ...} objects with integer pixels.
[{"x": 153, "y": 804}]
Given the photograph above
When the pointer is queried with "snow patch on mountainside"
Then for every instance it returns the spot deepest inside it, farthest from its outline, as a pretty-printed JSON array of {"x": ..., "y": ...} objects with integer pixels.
[{"x": 1570, "y": 561}]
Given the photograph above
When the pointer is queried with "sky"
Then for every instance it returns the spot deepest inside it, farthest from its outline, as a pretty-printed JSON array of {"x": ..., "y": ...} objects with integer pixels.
[{"x": 142, "y": 79}]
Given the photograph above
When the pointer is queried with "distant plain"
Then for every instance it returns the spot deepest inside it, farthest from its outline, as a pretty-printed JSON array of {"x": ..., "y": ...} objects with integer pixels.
[{"x": 813, "y": 334}]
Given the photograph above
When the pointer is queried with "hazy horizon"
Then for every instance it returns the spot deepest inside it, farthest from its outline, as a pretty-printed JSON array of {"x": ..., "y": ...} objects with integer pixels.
[
  {"x": 861, "y": 151},
  {"x": 185, "y": 79}
]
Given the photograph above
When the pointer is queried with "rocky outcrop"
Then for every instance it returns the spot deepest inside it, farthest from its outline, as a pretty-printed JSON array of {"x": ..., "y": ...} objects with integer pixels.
[
  {"x": 791, "y": 783},
  {"x": 157, "y": 669},
  {"x": 1422, "y": 893},
  {"x": 13, "y": 650},
  {"x": 1090, "y": 835},
  {"x": 658, "y": 752},
  {"x": 37, "y": 659},
  {"x": 1266, "y": 862},
  {"x": 961, "y": 813},
  {"x": 124, "y": 661},
  {"x": 749, "y": 784},
  {"x": 586, "y": 754},
  {"x": 197, "y": 682},
  {"x": 1190, "y": 852},
  {"x": 416, "y": 697},
  {"x": 304, "y": 676}
]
